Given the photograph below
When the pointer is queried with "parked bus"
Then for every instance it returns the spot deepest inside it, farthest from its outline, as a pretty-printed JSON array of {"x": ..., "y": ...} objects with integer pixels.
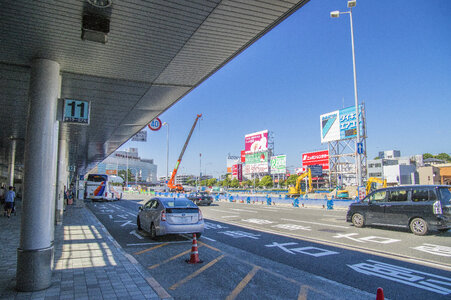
[{"x": 103, "y": 187}]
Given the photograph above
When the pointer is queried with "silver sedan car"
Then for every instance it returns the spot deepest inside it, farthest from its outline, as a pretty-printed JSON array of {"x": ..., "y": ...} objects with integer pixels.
[{"x": 161, "y": 216}]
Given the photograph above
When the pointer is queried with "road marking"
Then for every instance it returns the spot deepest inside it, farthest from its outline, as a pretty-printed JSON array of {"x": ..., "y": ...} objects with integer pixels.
[
  {"x": 169, "y": 259},
  {"x": 204, "y": 237},
  {"x": 303, "y": 293},
  {"x": 226, "y": 211},
  {"x": 243, "y": 283},
  {"x": 426, "y": 281},
  {"x": 245, "y": 210},
  {"x": 133, "y": 232},
  {"x": 208, "y": 246},
  {"x": 146, "y": 244},
  {"x": 150, "y": 249},
  {"x": 434, "y": 249},
  {"x": 323, "y": 224},
  {"x": 189, "y": 277},
  {"x": 257, "y": 221},
  {"x": 229, "y": 217}
]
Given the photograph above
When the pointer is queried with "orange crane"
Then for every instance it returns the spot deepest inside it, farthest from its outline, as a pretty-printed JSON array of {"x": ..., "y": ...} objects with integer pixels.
[{"x": 178, "y": 187}]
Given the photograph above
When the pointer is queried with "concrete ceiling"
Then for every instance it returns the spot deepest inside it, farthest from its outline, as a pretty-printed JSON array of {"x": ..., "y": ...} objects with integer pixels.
[{"x": 157, "y": 52}]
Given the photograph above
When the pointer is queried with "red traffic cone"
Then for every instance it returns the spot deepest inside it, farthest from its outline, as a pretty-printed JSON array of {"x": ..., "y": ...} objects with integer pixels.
[
  {"x": 380, "y": 294},
  {"x": 194, "y": 258}
]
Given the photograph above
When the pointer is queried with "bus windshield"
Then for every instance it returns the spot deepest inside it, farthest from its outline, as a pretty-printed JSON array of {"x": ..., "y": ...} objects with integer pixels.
[{"x": 97, "y": 178}]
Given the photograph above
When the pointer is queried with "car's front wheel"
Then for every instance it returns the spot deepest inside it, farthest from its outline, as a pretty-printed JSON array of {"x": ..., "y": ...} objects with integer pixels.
[
  {"x": 418, "y": 226},
  {"x": 358, "y": 220}
]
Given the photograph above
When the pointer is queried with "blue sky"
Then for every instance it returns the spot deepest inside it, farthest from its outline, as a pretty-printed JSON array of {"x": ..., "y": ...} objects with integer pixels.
[{"x": 303, "y": 68}]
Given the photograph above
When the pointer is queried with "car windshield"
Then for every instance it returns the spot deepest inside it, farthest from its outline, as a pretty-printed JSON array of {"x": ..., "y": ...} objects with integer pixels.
[
  {"x": 175, "y": 203},
  {"x": 445, "y": 195}
]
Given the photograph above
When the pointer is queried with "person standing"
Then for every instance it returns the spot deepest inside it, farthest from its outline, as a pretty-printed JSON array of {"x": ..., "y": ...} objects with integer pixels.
[{"x": 9, "y": 201}]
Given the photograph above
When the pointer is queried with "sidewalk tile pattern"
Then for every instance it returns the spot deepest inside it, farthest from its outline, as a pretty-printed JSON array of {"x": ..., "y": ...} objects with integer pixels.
[{"x": 87, "y": 265}]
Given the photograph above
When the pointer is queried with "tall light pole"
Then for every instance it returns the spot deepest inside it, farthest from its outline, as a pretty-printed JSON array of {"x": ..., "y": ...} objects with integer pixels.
[
  {"x": 336, "y": 14},
  {"x": 167, "y": 153}
]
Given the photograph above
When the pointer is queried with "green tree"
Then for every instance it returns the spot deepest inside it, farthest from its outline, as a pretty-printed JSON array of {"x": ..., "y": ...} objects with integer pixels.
[
  {"x": 443, "y": 156},
  {"x": 234, "y": 183},
  {"x": 191, "y": 181},
  {"x": 226, "y": 182},
  {"x": 247, "y": 183},
  {"x": 131, "y": 177},
  {"x": 255, "y": 182},
  {"x": 427, "y": 155},
  {"x": 292, "y": 180},
  {"x": 212, "y": 182},
  {"x": 266, "y": 181}
]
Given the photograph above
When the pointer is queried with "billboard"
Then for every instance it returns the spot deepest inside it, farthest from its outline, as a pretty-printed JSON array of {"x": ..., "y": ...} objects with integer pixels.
[
  {"x": 237, "y": 172},
  {"x": 256, "y": 163},
  {"x": 256, "y": 158},
  {"x": 279, "y": 164},
  {"x": 340, "y": 124},
  {"x": 255, "y": 168},
  {"x": 316, "y": 158},
  {"x": 243, "y": 156},
  {"x": 256, "y": 142}
]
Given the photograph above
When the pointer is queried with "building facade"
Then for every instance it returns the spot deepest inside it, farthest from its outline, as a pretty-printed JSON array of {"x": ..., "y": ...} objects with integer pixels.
[{"x": 144, "y": 170}]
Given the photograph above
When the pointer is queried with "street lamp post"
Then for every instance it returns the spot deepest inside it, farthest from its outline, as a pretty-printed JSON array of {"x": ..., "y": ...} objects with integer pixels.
[
  {"x": 336, "y": 14},
  {"x": 167, "y": 152}
]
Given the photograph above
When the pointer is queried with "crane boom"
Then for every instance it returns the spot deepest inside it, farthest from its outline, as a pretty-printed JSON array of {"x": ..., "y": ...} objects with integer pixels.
[{"x": 171, "y": 184}]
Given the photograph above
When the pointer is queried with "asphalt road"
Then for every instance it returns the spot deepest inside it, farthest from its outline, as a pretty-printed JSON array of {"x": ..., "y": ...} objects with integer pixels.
[{"x": 278, "y": 252}]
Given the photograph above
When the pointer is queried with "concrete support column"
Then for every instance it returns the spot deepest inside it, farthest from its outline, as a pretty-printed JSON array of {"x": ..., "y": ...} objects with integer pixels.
[
  {"x": 35, "y": 252},
  {"x": 11, "y": 162},
  {"x": 63, "y": 155}
]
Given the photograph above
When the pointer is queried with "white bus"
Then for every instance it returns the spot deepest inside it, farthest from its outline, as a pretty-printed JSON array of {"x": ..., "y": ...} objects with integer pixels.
[{"x": 103, "y": 187}]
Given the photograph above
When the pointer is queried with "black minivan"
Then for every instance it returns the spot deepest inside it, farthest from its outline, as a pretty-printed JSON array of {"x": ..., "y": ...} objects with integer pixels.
[{"x": 418, "y": 207}]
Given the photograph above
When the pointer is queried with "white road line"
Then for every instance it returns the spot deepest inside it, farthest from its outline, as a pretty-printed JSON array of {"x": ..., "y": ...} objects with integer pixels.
[
  {"x": 245, "y": 210},
  {"x": 323, "y": 224},
  {"x": 226, "y": 211},
  {"x": 204, "y": 237},
  {"x": 230, "y": 216}
]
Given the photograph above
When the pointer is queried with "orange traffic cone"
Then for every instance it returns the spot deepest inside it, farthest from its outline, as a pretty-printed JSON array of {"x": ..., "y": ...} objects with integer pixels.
[
  {"x": 380, "y": 294},
  {"x": 194, "y": 258}
]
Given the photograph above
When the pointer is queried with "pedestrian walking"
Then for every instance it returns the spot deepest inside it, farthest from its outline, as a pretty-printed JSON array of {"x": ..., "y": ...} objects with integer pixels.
[{"x": 9, "y": 201}]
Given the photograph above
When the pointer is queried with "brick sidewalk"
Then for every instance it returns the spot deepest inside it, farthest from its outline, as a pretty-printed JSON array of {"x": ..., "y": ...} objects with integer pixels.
[{"x": 89, "y": 264}]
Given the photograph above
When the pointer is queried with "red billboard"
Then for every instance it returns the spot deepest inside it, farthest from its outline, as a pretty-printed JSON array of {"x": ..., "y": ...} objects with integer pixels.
[
  {"x": 243, "y": 156},
  {"x": 316, "y": 158},
  {"x": 237, "y": 172},
  {"x": 256, "y": 142}
]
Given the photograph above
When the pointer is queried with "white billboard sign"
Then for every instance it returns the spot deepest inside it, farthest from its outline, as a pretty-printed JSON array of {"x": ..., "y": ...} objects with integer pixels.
[{"x": 279, "y": 164}]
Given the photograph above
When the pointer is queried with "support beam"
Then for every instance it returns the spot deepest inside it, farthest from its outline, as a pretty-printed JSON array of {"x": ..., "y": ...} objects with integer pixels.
[{"x": 35, "y": 252}]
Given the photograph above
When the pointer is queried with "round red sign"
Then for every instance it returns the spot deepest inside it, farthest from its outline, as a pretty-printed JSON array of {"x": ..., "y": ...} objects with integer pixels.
[{"x": 155, "y": 124}]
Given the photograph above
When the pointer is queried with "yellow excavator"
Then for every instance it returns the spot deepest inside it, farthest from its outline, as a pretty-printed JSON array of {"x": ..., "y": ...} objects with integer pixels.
[
  {"x": 371, "y": 184},
  {"x": 296, "y": 191}
]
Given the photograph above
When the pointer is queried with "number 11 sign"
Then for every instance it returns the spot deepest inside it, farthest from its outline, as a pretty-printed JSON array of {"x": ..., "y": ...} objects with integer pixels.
[{"x": 76, "y": 111}]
